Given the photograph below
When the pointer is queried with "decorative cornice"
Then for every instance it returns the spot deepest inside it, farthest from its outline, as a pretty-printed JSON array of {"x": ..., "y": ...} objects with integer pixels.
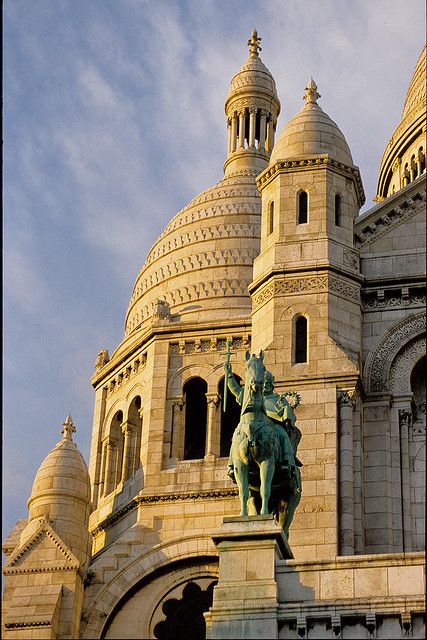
[
  {"x": 306, "y": 284},
  {"x": 21, "y": 625},
  {"x": 391, "y": 299},
  {"x": 315, "y": 162},
  {"x": 161, "y": 498},
  {"x": 390, "y": 214},
  {"x": 182, "y": 347}
]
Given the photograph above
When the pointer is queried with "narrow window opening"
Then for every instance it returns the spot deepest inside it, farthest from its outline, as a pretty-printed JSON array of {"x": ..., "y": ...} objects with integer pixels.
[
  {"x": 302, "y": 207},
  {"x": 196, "y": 410},
  {"x": 271, "y": 218},
  {"x": 337, "y": 210},
  {"x": 301, "y": 339}
]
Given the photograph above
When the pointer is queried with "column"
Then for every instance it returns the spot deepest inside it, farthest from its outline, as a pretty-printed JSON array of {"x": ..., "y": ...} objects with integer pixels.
[
  {"x": 252, "y": 115},
  {"x": 241, "y": 130},
  {"x": 270, "y": 135},
  {"x": 233, "y": 133},
  {"x": 346, "y": 401},
  {"x": 405, "y": 422},
  {"x": 176, "y": 428},
  {"x": 110, "y": 459},
  {"x": 128, "y": 430},
  {"x": 229, "y": 135},
  {"x": 211, "y": 437},
  {"x": 262, "y": 129}
]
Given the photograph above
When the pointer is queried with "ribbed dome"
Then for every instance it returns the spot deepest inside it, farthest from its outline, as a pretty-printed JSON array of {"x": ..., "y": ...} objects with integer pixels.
[
  {"x": 203, "y": 257},
  {"x": 62, "y": 472},
  {"x": 404, "y": 156},
  {"x": 311, "y": 132},
  {"x": 417, "y": 88}
]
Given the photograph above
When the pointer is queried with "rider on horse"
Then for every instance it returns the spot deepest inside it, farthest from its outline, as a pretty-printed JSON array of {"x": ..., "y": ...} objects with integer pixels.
[{"x": 280, "y": 412}]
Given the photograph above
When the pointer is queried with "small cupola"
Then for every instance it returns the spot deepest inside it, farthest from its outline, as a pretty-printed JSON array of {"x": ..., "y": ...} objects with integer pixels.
[{"x": 252, "y": 108}]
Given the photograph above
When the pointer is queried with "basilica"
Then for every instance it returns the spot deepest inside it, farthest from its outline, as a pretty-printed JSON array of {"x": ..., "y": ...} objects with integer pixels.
[{"x": 146, "y": 541}]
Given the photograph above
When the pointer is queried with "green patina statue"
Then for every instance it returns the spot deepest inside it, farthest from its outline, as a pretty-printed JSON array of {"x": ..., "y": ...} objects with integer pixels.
[{"x": 263, "y": 456}]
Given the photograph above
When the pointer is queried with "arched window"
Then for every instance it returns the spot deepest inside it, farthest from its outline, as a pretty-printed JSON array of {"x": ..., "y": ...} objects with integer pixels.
[
  {"x": 113, "y": 454},
  {"x": 270, "y": 221},
  {"x": 196, "y": 410},
  {"x": 301, "y": 336},
  {"x": 337, "y": 210},
  {"x": 229, "y": 419},
  {"x": 302, "y": 215}
]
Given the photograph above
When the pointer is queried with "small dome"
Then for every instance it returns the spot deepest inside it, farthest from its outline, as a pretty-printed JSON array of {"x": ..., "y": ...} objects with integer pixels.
[
  {"x": 311, "y": 132},
  {"x": 253, "y": 75},
  {"x": 62, "y": 473}
]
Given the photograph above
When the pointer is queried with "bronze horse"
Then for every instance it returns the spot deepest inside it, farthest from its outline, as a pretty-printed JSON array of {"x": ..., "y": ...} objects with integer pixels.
[{"x": 264, "y": 485}]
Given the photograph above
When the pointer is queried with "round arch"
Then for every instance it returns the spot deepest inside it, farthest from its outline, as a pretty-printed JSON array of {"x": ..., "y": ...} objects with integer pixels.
[
  {"x": 138, "y": 569},
  {"x": 380, "y": 360}
]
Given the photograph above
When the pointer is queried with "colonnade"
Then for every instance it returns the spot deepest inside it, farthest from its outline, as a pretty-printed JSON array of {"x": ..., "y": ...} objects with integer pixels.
[{"x": 251, "y": 128}]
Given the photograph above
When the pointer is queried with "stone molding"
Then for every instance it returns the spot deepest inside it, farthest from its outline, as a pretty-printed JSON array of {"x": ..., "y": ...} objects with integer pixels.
[
  {"x": 315, "y": 162},
  {"x": 71, "y": 562},
  {"x": 202, "y": 346},
  {"x": 379, "y": 361},
  {"x": 306, "y": 284},
  {"x": 128, "y": 371},
  {"x": 406, "y": 297},
  {"x": 388, "y": 217},
  {"x": 213, "y": 494}
]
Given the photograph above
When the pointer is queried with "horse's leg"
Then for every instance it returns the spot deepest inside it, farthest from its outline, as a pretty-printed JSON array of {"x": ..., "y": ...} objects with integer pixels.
[
  {"x": 241, "y": 475},
  {"x": 252, "y": 510},
  {"x": 292, "y": 505},
  {"x": 266, "y": 471}
]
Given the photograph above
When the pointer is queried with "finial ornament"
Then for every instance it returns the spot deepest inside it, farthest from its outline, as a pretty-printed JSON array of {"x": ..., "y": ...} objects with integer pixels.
[
  {"x": 68, "y": 428},
  {"x": 311, "y": 93},
  {"x": 253, "y": 44}
]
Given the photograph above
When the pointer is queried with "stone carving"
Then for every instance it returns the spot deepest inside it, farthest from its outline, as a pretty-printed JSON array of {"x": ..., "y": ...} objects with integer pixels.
[
  {"x": 161, "y": 310},
  {"x": 403, "y": 364},
  {"x": 102, "y": 359},
  {"x": 261, "y": 452},
  {"x": 288, "y": 287},
  {"x": 351, "y": 259},
  {"x": 378, "y": 363},
  {"x": 415, "y": 298},
  {"x": 346, "y": 289}
]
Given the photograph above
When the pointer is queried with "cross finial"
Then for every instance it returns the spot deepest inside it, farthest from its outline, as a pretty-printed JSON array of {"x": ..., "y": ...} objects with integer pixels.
[
  {"x": 311, "y": 93},
  {"x": 253, "y": 44},
  {"x": 68, "y": 428}
]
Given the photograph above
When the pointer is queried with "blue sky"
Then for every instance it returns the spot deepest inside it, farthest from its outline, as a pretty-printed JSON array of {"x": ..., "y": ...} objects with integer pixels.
[{"x": 113, "y": 121}]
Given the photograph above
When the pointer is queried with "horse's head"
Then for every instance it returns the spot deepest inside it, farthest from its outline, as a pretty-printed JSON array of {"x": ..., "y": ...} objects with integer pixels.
[{"x": 255, "y": 369}]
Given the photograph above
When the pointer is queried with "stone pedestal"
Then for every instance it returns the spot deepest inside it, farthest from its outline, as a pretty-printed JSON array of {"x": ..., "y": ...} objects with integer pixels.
[{"x": 245, "y": 598}]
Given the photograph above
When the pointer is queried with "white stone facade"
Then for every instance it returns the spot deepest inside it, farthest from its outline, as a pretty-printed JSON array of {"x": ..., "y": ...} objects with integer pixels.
[{"x": 275, "y": 257}]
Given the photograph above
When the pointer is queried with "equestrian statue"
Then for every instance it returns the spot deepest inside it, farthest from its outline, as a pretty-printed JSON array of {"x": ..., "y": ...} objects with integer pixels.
[{"x": 263, "y": 460}]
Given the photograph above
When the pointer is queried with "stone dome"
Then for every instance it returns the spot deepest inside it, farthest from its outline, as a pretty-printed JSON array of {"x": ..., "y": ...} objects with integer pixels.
[
  {"x": 417, "y": 89},
  {"x": 311, "y": 132},
  {"x": 404, "y": 158},
  {"x": 62, "y": 473},
  {"x": 201, "y": 265},
  {"x": 253, "y": 75}
]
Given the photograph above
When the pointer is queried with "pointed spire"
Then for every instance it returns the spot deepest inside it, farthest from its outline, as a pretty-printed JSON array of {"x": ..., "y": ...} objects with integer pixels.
[
  {"x": 311, "y": 93},
  {"x": 68, "y": 428},
  {"x": 253, "y": 44}
]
